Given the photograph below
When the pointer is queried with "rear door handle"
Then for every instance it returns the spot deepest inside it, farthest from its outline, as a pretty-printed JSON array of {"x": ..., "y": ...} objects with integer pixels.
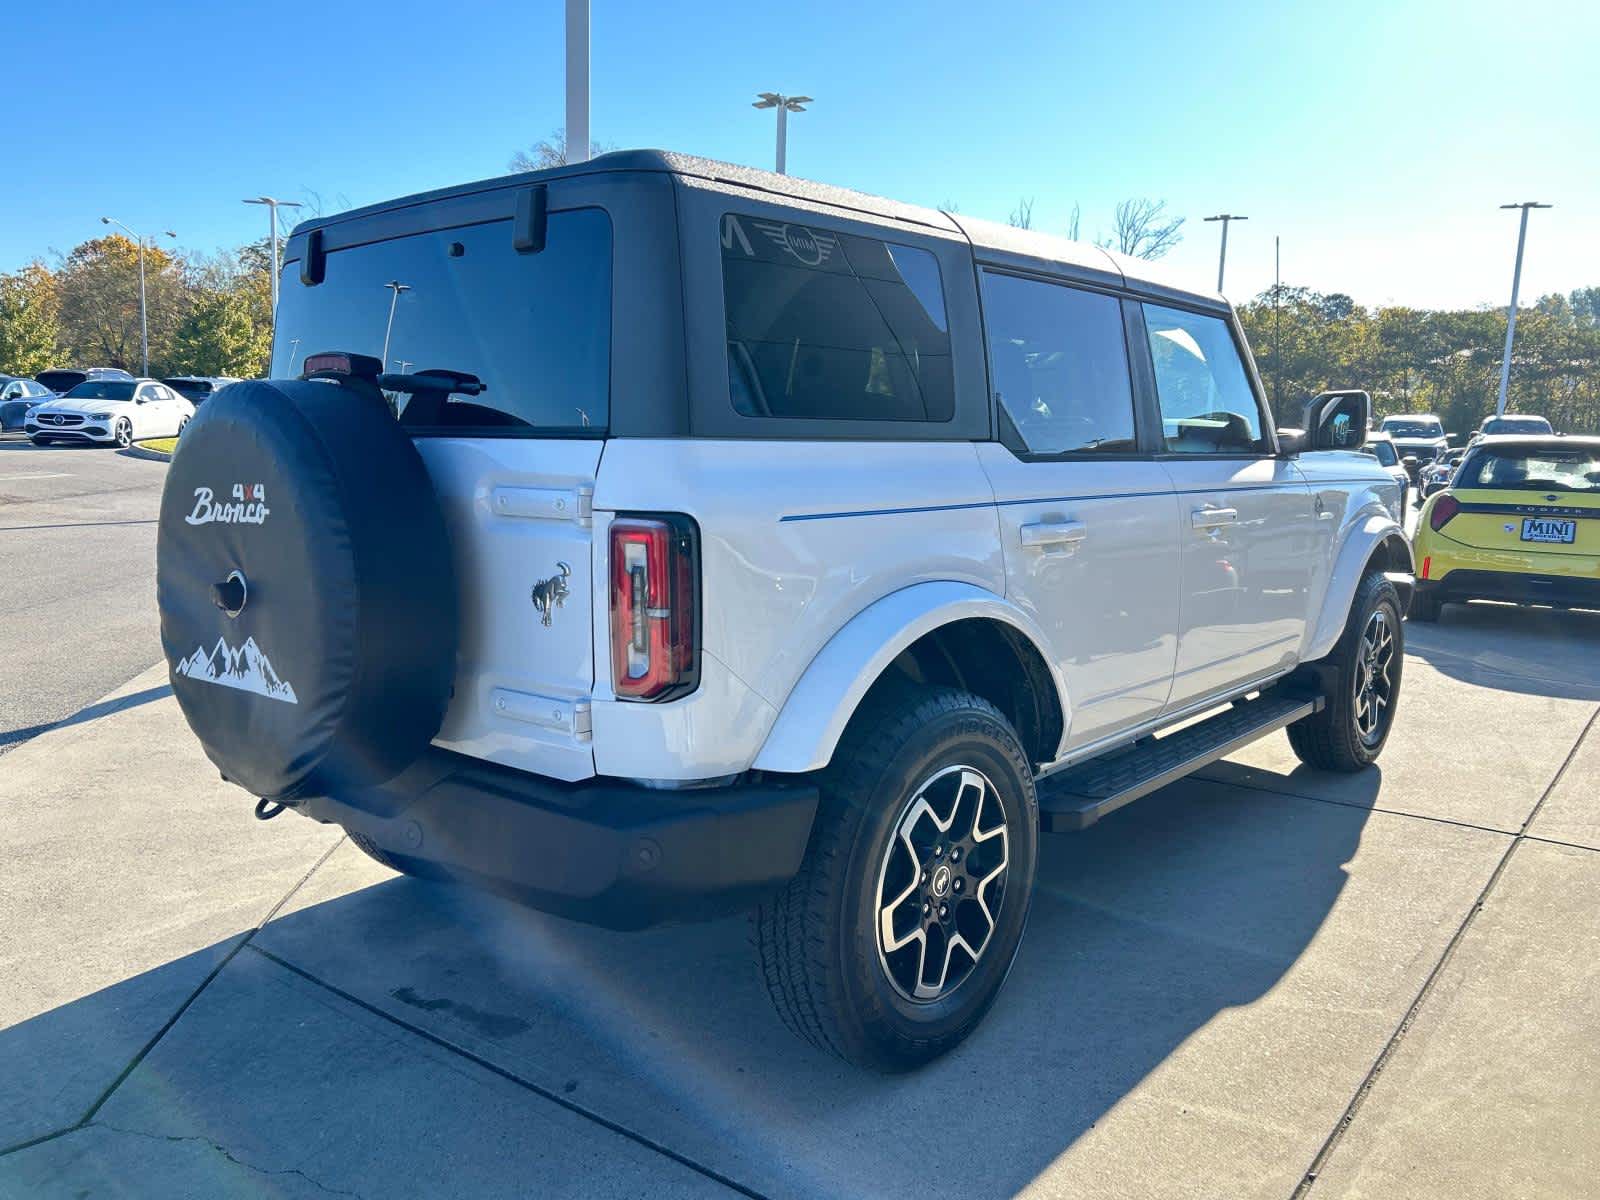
[
  {"x": 1213, "y": 518},
  {"x": 1053, "y": 533}
]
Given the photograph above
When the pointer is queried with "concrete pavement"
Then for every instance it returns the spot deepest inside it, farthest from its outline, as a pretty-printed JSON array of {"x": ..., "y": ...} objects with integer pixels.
[{"x": 77, "y": 592}]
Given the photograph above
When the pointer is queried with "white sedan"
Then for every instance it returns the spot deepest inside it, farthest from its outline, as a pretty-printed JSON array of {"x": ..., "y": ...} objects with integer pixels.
[{"x": 110, "y": 412}]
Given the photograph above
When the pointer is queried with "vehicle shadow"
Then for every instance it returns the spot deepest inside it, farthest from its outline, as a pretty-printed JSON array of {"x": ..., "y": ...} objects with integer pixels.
[
  {"x": 1534, "y": 651},
  {"x": 1143, "y": 929}
]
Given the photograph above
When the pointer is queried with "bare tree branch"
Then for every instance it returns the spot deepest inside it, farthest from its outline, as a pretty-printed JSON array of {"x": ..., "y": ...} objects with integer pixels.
[{"x": 1143, "y": 229}]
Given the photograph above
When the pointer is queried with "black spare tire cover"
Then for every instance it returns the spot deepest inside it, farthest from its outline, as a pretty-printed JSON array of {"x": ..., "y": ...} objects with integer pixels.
[{"x": 302, "y": 509}]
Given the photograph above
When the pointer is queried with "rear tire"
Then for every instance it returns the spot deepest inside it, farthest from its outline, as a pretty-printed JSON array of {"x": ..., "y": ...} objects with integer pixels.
[
  {"x": 1363, "y": 674},
  {"x": 867, "y": 953}
]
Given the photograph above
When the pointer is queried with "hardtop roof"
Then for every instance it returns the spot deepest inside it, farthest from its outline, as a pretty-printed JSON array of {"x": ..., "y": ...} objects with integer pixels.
[{"x": 984, "y": 235}]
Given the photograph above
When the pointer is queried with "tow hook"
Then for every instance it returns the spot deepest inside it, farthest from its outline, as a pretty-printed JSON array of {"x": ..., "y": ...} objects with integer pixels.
[{"x": 267, "y": 809}]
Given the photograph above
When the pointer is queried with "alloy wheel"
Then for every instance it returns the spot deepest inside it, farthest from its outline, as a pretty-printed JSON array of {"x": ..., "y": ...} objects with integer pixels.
[
  {"x": 124, "y": 433},
  {"x": 942, "y": 884},
  {"x": 1374, "y": 681}
]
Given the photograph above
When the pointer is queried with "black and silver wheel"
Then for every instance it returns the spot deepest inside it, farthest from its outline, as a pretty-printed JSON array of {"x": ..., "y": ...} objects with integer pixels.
[
  {"x": 183, "y": 423},
  {"x": 1362, "y": 678},
  {"x": 898, "y": 932},
  {"x": 123, "y": 432}
]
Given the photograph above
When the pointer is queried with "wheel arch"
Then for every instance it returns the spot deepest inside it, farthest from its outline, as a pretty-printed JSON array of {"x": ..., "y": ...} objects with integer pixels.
[
  {"x": 941, "y": 632},
  {"x": 1375, "y": 542}
]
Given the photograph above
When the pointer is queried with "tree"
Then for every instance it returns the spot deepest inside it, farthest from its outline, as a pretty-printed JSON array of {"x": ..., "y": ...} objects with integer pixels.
[
  {"x": 1022, "y": 215},
  {"x": 222, "y": 335},
  {"x": 99, "y": 290},
  {"x": 30, "y": 326},
  {"x": 550, "y": 152},
  {"x": 1143, "y": 229}
]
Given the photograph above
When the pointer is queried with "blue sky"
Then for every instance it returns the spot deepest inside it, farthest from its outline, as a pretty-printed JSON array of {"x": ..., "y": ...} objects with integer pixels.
[{"x": 1376, "y": 139}]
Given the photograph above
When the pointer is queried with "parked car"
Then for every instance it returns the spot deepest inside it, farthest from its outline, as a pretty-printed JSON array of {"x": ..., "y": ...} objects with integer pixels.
[
  {"x": 1436, "y": 475},
  {"x": 1523, "y": 423},
  {"x": 1520, "y": 522},
  {"x": 197, "y": 389},
  {"x": 17, "y": 396},
  {"x": 62, "y": 380},
  {"x": 1381, "y": 447},
  {"x": 755, "y": 543},
  {"x": 110, "y": 412},
  {"x": 1417, "y": 435}
]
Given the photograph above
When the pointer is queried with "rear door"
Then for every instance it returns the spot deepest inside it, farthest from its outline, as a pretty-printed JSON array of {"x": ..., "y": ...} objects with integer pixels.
[
  {"x": 1088, "y": 522},
  {"x": 1248, "y": 530},
  {"x": 1537, "y": 506},
  {"x": 467, "y": 287}
]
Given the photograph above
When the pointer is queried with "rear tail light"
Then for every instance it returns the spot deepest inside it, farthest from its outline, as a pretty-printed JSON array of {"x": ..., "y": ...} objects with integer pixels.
[
  {"x": 1427, "y": 564},
  {"x": 1445, "y": 507},
  {"x": 655, "y": 602}
]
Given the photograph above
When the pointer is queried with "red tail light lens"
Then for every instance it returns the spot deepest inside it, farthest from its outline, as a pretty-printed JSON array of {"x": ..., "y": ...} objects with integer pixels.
[
  {"x": 655, "y": 573},
  {"x": 1445, "y": 507}
]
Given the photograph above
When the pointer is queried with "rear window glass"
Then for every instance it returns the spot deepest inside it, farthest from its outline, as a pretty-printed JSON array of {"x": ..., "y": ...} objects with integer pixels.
[
  {"x": 535, "y": 328},
  {"x": 60, "y": 381},
  {"x": 1558, "y": 469},
  {"x": 825, "y": 324}
]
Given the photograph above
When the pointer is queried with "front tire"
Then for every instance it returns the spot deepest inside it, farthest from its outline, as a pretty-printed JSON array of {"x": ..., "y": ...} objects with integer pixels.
[
  {"x": 123, "y": 432},
  {"x": 895, "y": 937},
  {"x": 1363, "y": 675}
]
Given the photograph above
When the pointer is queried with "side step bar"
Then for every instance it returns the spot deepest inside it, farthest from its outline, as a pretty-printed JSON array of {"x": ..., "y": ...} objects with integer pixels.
[{"x": 1079, "y": 796}]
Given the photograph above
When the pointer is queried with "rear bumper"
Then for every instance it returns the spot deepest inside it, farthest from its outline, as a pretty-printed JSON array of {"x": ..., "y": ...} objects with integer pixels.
[
  {"x": 606, "y": 852},
  {"x": 1513, "y": 586}
]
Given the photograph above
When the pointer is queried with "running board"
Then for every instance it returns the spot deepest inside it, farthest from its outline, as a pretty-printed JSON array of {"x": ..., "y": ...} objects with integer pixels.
[{"x": 1079, "y": 796}]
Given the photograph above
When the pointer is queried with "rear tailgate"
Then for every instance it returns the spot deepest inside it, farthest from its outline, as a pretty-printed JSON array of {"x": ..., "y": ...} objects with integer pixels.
[
  {"x": 1556, "y": 532},
  {"x": 519, "y": 516}
]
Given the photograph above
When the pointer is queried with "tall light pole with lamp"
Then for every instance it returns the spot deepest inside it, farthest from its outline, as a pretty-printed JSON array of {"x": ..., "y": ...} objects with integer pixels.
[
  {"x": 1222, "y": 258},
  {"x": 1511, "y": 316},
  {"x": 272, "y": 208},
  {"x": 785, "y": 105},
  {"x": 144, "y": 322}
]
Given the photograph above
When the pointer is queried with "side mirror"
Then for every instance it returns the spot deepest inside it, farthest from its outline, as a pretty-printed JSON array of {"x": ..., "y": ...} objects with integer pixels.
[
  {"x": 1337, "y": 421},
  {"x": 1409, "y": 462}
]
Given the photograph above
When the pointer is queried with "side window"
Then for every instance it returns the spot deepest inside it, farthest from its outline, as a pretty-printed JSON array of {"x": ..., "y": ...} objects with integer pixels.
[
  {"x": 825, "y": 324},
  {"x": 1207, "y": 405},
  {"x": 1060, "y": 365}
]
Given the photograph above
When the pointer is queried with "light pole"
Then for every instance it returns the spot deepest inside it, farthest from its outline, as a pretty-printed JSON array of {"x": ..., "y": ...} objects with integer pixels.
[
  {"x": 272, "y": 210},
  {"x": 577, "y": 81},
  {"x": 785, "y": 105},
  {"x": 1222, "y": 259},
  {"x": 144, "y": 323},
  {"x": 1511, "y": 316},
  {"x": 396, "y": 287}
]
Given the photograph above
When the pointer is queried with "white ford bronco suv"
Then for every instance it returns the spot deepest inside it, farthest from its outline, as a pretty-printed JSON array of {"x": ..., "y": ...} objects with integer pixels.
[{"x": 652, "y": 538}]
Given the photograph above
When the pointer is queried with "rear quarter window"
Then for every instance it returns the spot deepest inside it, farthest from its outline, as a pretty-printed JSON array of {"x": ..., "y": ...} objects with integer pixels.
[{"x": 825, "y": 324}]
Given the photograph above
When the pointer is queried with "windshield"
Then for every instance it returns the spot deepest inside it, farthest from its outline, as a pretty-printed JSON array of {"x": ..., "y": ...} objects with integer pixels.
[
  {"x": 535, "y": 328},
  {"x": 1556, "y": 469},
  {"x": 60, "y": 381},
  {"x": 1383, "y": 452},
  {"x": 1516, "y": 425},
  {"x": 1404, "y": 428},
  {"x": 102, "y": 389}
]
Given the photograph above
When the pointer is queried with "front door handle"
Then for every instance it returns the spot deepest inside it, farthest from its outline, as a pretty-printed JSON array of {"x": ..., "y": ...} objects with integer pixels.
[
  {"x": 1213, "y": 518},
  {"x": 1053, "y": 533}
]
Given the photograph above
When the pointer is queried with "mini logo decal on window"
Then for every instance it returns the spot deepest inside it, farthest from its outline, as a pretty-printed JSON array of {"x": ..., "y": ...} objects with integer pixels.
[
  {"x": 245, "y": 669},
  {"x": 808, "y": 245},
  {"x": 248, "y": 507}
]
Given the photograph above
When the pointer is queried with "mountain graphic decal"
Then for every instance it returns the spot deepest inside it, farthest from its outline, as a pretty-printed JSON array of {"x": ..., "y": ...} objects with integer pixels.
[{"x": 246, "y": 669}]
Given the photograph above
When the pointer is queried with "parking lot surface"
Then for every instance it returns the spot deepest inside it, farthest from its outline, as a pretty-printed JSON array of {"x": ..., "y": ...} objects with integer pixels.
[{"x": 1264, "y": 982}]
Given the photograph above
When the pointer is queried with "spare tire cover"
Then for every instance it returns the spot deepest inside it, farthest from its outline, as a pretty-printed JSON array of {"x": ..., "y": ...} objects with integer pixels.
[{"x": 308, "y": 604}]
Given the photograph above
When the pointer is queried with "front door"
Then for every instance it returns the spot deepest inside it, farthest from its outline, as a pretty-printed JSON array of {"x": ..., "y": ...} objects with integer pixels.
[
  {"x": 1088, "y": 525},
  {"x": 1246, "y": 521}
]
